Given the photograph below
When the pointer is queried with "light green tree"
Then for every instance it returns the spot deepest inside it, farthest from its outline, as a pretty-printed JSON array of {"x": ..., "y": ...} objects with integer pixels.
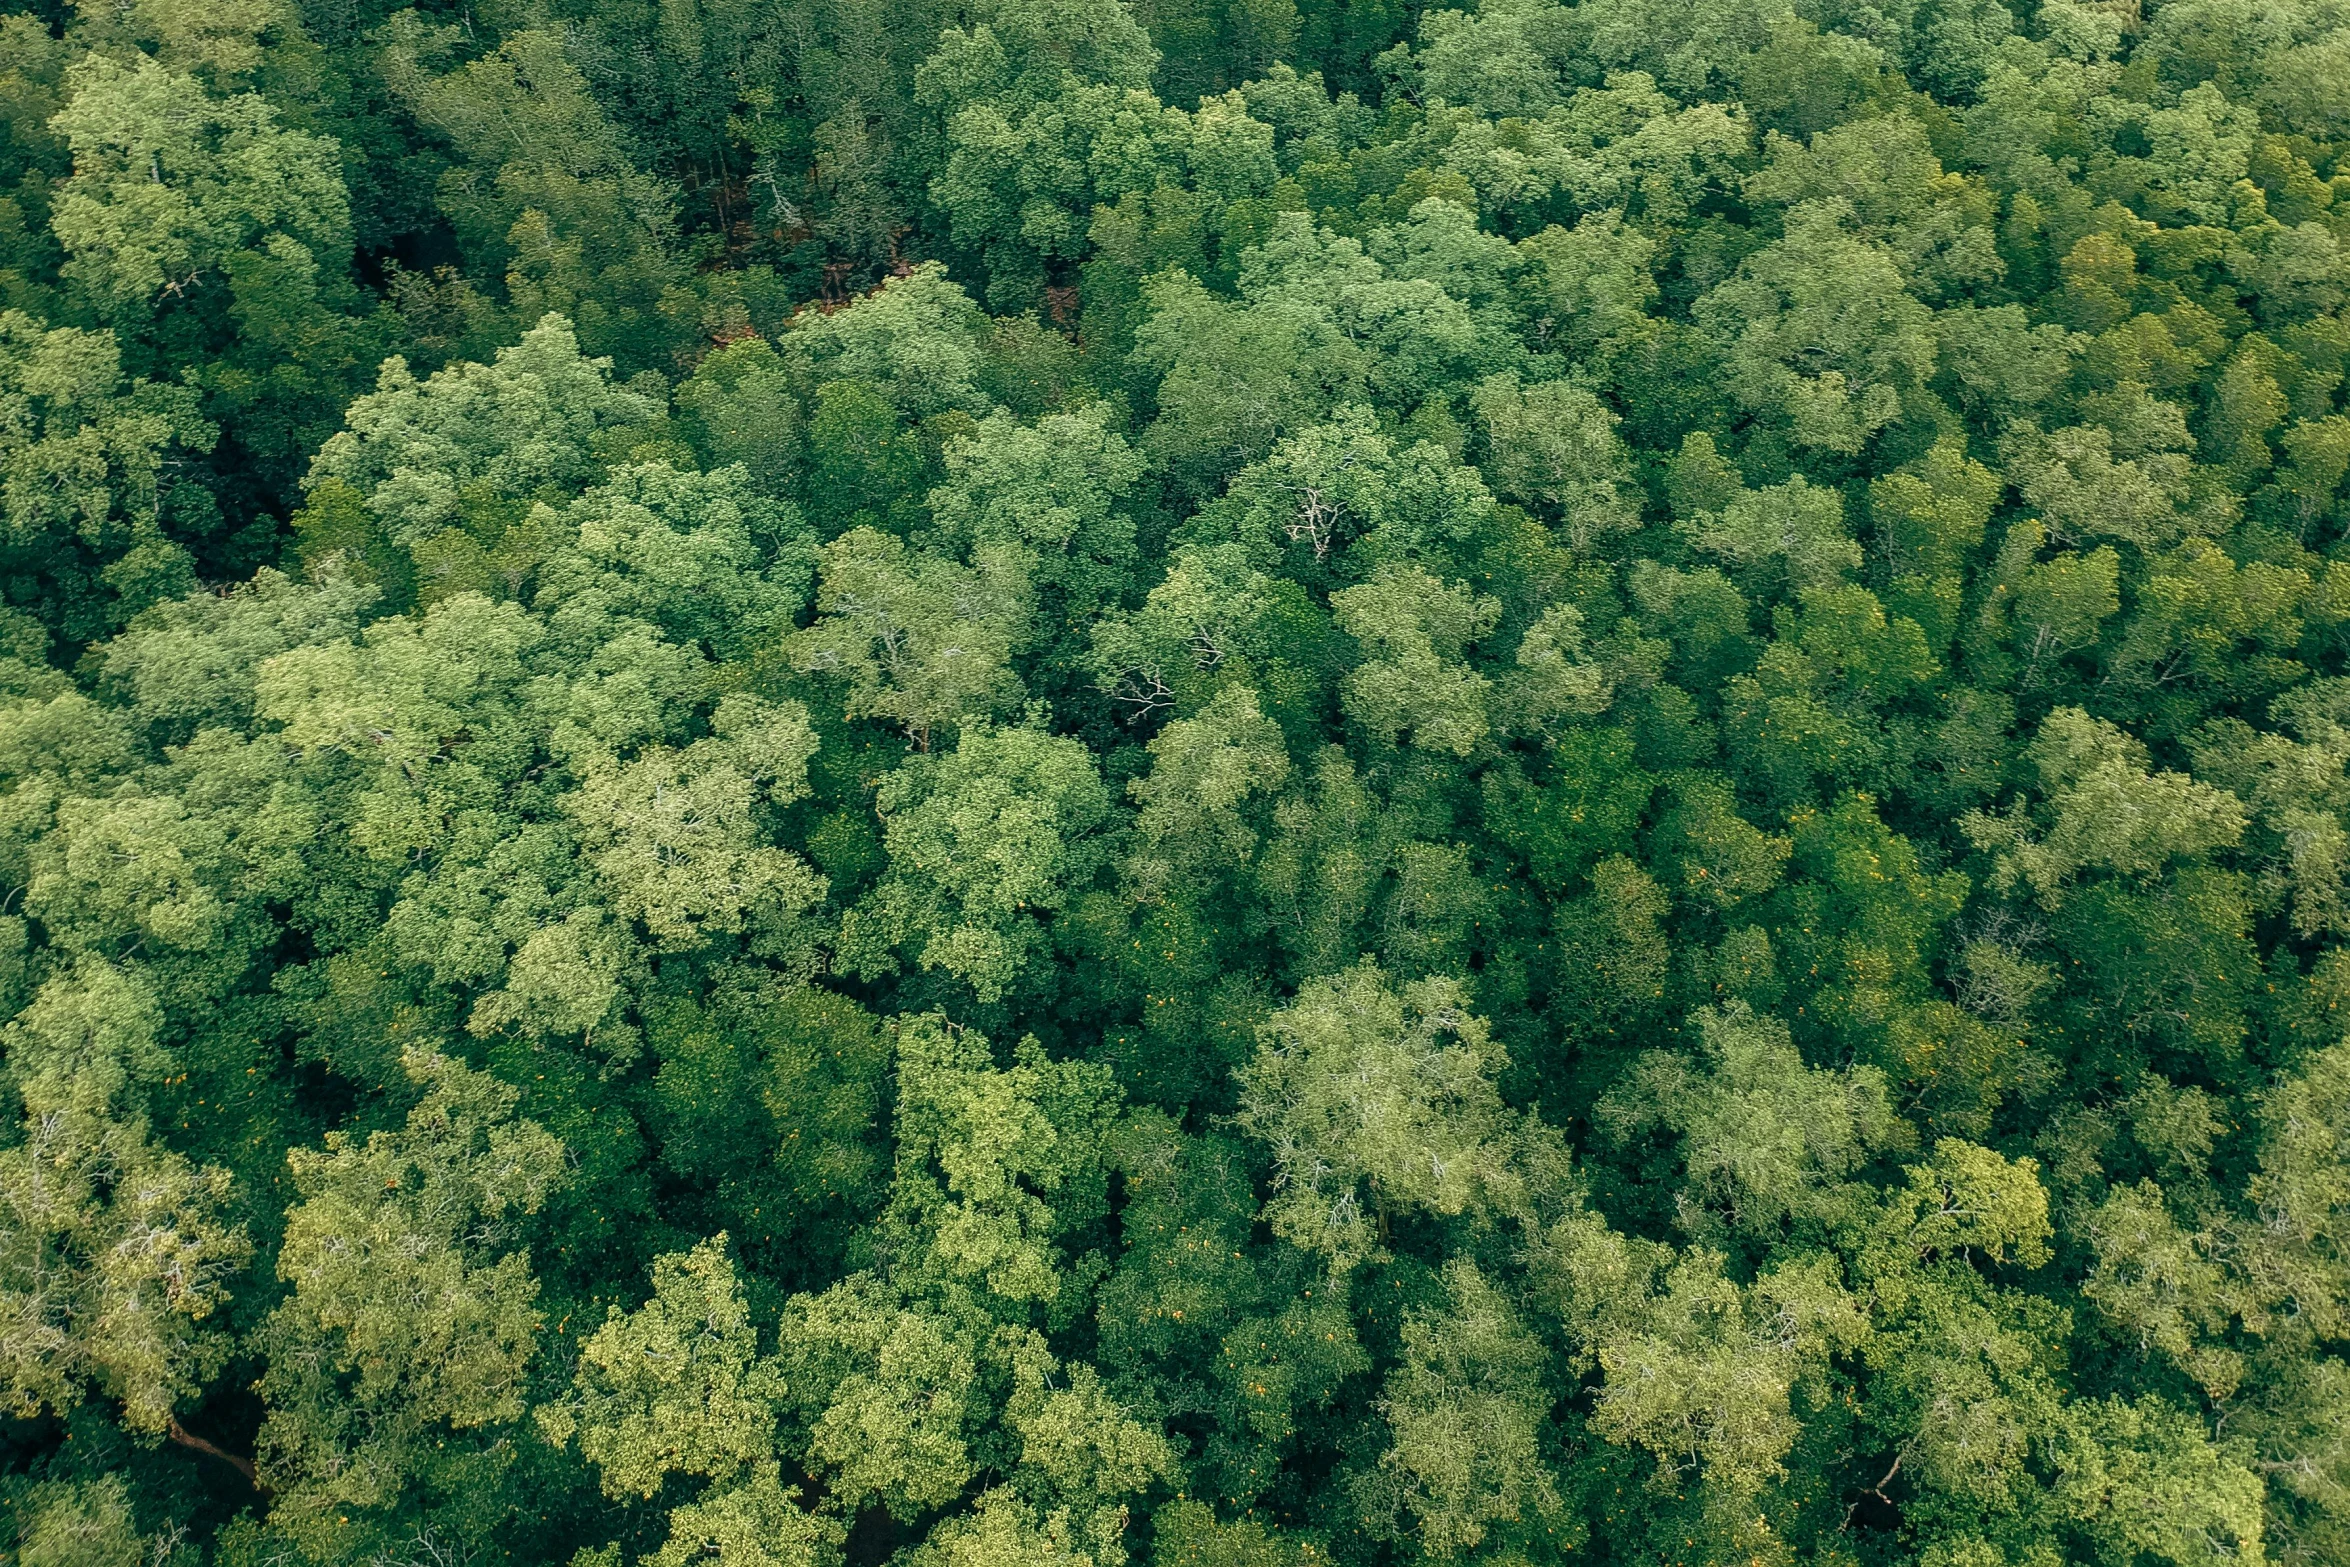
[
  {"x": 918, "y": 340},
  {"x": 920, "y": 639},
  {"x": 1370, "y": 1102},
  {"x": 986, "y": 842},
  {"x": 1201, "y": 615},
  {"x": 1465, "y": 1411},
  {"x": 1051, "y": 493},
  {"x": 170, "y": 184},
  {"x": 410, "y": 1311},
  {"x": 2101, "y": 809},
  {"x": 83, "y": 467},
  {"x": 457, "y": 458},
  {"x": 116, "y": 1251},
  {"x": 1818, "y": 330},
  {"x": 1555, "y": 444},
  {"x": 1790, "y": 535},
  {"x": 678, "y": 1387},
  {"x": 895, "y": 1373},
  {"x": 1766, "y": 1141},
  {"x": 676, "y": 834},
  {"x": 1194, "y": 819},
  {"x": 1415, "y": 631}
]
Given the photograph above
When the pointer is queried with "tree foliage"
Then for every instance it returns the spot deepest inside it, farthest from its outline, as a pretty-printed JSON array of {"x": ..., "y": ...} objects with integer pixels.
[{"x": 1246, "y": 783}]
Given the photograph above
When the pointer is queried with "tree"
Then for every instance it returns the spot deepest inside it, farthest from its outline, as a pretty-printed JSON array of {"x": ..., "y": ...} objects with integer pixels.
[
  {"x": 1791, "y": 534},
  {"x": 917, "y": 341},
  {"x": 704, "y": 557},
  {"x": 893, "y": 1374},
  {"x": 448, "y": 467},
  {"x": 1465, "y": 1410},
  {"x": 1414, "y": 681},
  {"x": 1556, "y": 444},
  {"x": 674, "y": 836},
  {"x": 2103, "y": 811},
  {"x": 738, "y": 407},
  {"x": 678, "y": 1387},
  {"x": 1835, "y": 305},
  {"x": 1203, "y": 615},
  {"x": 171, "y": 184},
  {"x": 409, "y": 1311},
  {"x": 118, "y": 1249},
  {"x": 1766, "y": 1141},
  {"x": 1049, "y": 494},
  {"x": 1193, "y": 819},
  {"x": 986, "y": 842},
  {"x": 919, "y": 639},
  {"x": 216, "y": 241},
  {"x": 84, "y": 479},
  {"x": 544, "y": 192},
  {"x": 1372, "y": 1102}
]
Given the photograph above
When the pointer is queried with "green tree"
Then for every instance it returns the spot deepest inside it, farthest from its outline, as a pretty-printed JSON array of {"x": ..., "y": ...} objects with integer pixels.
[
  {"x": 118, "y": 1249},
  {"x": 171, "y": 185},
  {"x": 87, "y": 489},
  {"x": 410, "y": 1311},
  {"x": 987, "y": 843},
  {"x": 918, "y": 639},
  {"x": 1374, "y": 1102},
  {"x": 444, "y": 471},
  {"x": 544, "y": 193}
]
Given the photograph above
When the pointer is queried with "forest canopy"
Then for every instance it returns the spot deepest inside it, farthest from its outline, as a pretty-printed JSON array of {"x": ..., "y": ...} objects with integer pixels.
[{"x": 1175, "y": 783}]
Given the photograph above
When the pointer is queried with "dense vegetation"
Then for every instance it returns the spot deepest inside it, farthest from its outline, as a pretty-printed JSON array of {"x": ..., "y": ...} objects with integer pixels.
[{"x": 1223, "y": 783}]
